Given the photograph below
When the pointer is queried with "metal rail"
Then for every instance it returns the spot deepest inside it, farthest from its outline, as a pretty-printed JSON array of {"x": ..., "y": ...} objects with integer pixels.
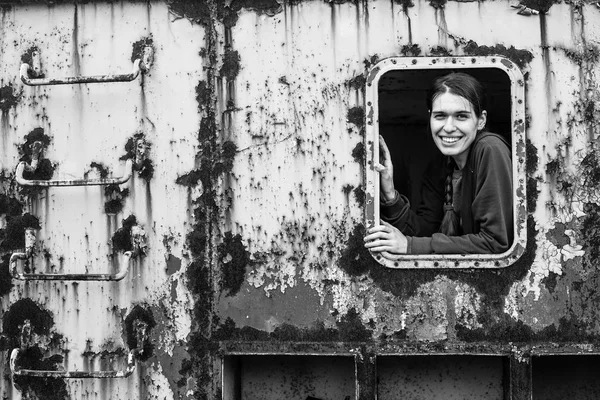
[
  {"x": 139, "y": 65},
  {"x": 72, "y": 374},
  {"x": 22, "y": 166},
  {"x": 64, "y": 277}
]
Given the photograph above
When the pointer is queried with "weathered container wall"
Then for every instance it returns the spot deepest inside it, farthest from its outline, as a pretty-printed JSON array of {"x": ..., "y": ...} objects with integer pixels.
[{"x": 253, "y": 203}]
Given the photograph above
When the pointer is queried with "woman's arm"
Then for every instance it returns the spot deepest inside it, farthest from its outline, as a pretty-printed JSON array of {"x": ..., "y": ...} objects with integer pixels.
[
  {"x": 492, "y": 206},
  {"x": 426, "y": 220}
]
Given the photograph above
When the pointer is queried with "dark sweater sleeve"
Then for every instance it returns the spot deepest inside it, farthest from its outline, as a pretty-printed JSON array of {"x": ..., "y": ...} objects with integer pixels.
[
  {"x": 428, "y": 217},
  {"x": 492, "y": 208}
]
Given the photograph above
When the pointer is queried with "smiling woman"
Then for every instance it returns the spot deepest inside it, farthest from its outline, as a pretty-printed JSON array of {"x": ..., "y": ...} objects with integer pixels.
[{"x": 466, "y": 204}]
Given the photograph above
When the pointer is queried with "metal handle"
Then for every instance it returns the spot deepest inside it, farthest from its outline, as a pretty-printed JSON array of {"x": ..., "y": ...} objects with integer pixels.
[
  {"x": 73, "y": 182},
  {"x": 64, "y": 277},
  {"x": 71, "y": 374},
  {"x": 139, "y": 65}
]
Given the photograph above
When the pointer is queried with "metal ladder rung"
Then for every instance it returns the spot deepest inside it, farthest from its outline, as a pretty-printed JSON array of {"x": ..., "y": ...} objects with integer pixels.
[
  {"x": 65, "y": 277},
  {"x": 139, "y": 65},
  {"x": 71, "y": 374},
  {"x": 73, "y": 182}
]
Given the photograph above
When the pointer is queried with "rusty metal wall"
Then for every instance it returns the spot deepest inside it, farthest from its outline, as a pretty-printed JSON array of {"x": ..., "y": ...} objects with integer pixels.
[{"x": 253, "y": 200}]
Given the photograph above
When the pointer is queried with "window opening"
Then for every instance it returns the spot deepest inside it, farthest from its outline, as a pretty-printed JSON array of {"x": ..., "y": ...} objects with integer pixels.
[
  {"x": 396, "y": 109},
  {"x": 299, "y": 377},
  {"x": 560, "y": 377},
  {"x": 437, "y": 377}
]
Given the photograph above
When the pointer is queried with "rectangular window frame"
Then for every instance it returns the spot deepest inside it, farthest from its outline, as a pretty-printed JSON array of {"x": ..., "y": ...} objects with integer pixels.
[{"x": 518, "y": 139}]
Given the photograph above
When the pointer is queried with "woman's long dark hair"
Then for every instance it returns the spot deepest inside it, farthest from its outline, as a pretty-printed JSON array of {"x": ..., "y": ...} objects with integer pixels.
[{"x": 463, "y": 85}]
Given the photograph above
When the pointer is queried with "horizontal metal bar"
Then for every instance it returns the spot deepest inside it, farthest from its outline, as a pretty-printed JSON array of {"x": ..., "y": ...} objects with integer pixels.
[
  {"x": 73, "y": 182},
  {"x": 71, "y": 374},
  {"x": 66, "y": 277},
  {"x": 24, "y": 72}
]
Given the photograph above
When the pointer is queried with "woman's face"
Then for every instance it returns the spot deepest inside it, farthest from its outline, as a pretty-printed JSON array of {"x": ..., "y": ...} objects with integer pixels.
[{"x": 454, "y": 125}]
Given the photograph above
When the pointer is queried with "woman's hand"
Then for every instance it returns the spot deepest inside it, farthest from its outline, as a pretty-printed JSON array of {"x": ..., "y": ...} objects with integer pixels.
[
  {"x": 386, "y": 172},
  {"x": 386, "y": 238}
]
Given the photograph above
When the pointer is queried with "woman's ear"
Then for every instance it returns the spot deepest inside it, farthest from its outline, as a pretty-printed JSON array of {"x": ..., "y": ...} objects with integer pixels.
[{"x": 482, "y": 120}]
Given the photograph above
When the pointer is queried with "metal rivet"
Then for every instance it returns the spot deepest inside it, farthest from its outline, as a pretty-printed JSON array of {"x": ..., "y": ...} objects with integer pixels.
[{"x": 414, "y": 61}]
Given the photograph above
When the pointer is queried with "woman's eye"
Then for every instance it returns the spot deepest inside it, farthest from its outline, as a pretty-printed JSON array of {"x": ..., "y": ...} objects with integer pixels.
[
  {"x": 462, "y": 117},
  {"x": 439, "y": 117}
]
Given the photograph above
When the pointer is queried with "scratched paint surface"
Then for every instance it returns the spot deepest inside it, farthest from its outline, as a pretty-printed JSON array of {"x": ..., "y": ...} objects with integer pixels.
[{"x": 279, "y": 241}]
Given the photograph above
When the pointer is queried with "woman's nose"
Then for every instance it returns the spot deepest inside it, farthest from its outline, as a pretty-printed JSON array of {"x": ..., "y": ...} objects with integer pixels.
[{"x": 449, "y": 125}]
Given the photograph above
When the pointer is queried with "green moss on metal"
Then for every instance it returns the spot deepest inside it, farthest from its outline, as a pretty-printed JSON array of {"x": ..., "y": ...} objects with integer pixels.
[
  {"x": 33, "y": 357},
  {"x": 121, "y": 239},
  {"x": 101, "y": 168},
  {"x": 203, "y": 94},
  {"x": 8, "y": 98},
  {"x": 518, "y": 56},
  {"x": 5, "y": 276},
  {"x": 531, "y": 166},
  {"x": 437, "y": 3},
  {"x": 410, "y": 50},
  {"x": 25, "y": 309},
  {"x": 317, "y": 333},
  {"x": 553, "y": 167},
  {"x": 356, "y": 116},
  {"x": 356, "y": 259},
  {"x": 47, "y": 388},
  {"x": 146, "y": 169},
  {"x": 12, "y": 237},
  {"x": 10, "y": 206},
  {"x": 543, "y": 6},
  {"x": 229, "y": 331},
  {"x": 45, "y": 168},
  {"x": 357, "y": 83},
  {"x": 116, "y": 198},
  {"x": 360, "y": 195},
  {"x": 590, "y": 235},
  {"x": 234, "y": 258},
  {"x": 358, "y": 152},
  {"x": 225, "y": 163},
  {"x": 550, "y": 281},
  {"x": 590, "y": 54},
  {"x": 348, "y": 329},
  {"x": 405, "y": 3},
  {"x": 351, "y": 328},
  {"x": 231, "y": 64},
  {"x": 142, "y": 313},
  {"x": 138, "y": 48},
  {"x": 440, "y": 51}
]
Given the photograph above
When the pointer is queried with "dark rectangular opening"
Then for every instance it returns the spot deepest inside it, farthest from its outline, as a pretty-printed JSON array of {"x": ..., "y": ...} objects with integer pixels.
[
  {"x": 404, "y": 119},
  {"x": 289, "y": 377},
  {"x": 461, "y": 377},
  {"x": 566, "y": 377}
]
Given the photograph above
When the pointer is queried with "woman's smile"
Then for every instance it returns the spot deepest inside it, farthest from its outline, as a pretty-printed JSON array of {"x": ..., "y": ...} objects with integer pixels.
[
  {"x": 450, "y": 139},
  {"x": 454, "y": 125}
]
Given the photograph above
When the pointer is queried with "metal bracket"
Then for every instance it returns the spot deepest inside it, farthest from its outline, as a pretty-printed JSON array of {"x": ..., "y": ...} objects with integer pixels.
[
  {"x": 139, "y": 65},
  {"x": 141, "y": 332},
  {"x": 60, "y": 277},
  {"x": 22, "y": 166},
  {"x": 71, "y": 374}
]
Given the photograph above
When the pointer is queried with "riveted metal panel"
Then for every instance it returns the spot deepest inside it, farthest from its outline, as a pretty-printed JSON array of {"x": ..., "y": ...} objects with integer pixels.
[{"x": 253, "y": 206}]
